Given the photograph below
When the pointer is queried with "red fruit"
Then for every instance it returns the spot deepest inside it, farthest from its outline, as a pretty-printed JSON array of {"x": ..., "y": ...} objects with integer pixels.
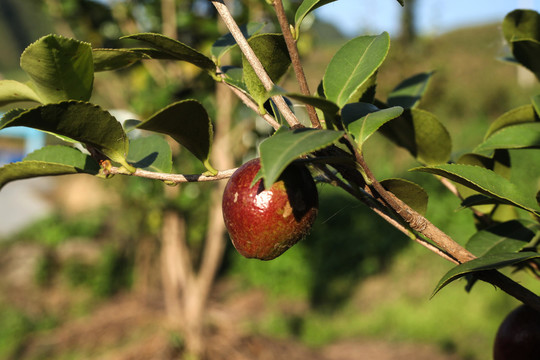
[
  {"x": 263, "y": 224},
  {"x": 518, "y": 337}
]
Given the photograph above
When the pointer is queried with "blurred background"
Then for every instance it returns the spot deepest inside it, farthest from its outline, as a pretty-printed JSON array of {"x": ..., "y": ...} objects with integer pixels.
[{"x": 86, "y": 264}]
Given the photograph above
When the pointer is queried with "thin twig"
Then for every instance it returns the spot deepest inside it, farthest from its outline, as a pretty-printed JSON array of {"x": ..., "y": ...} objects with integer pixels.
[
  {"x": 172, "y": 178},
  {"x": 295, "y": 59},
  {"x": 254, "y": 61}
]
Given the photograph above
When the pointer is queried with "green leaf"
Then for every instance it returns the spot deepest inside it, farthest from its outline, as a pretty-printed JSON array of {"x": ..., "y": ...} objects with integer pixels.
[
  {"x": 227, "y": 41},
  {"x": 59, "y": 68},
  {"x": 362, "y": 119},
  {"x": 151, "y": 153},
  {"x": 271, "y": 50},
  {"x": 520, "y": 115},
  {"x": 304, "y": 9},
  {"x": 422, "y": 134},
  {"x": 188, "y": 123},
  {"x": 408, "y": 192},
  {"x": 401, "y": 2},
  {"x": 47, "y": 161},
  {"x": 234, "y": 76},
  {"x": 520, "y": 136},
  {"x": 285, "y": 146},
  {"x": 536, "y": 104},
  {"x": 508, "y": 237},
  {"x": 409, "y": 92},
  {"x": 486, "y": 182},
  {"x": 114, "y": 59},
  {"x": 489, "y": 262},
  {"x": 174, "y": 49},
  {"x": 12, "y": 91},
  {"x": 521, "y": 29},
  {"x": 80, "y": 121},
  {"x": 353, "y": 65}
]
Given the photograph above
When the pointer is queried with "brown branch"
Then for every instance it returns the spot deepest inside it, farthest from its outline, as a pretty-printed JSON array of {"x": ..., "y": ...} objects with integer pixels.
[
  {"x": 172, "y": 178},
  {"x": 254, "y": 61},
  {"x": 295, "y": 59}
]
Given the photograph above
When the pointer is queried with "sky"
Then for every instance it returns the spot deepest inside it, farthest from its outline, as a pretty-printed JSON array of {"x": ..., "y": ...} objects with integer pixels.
[{"x": 354, "y": 17}]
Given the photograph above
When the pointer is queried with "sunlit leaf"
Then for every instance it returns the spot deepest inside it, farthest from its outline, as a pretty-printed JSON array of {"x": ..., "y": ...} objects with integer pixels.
[
  {"x": 488, "y": 262},
  {"x": 520, "y": 115},
  {"x": 353, "y": 65},
  {"x": 188, "y": 123},
  {"x": 285, "y": 146},
  {"x": 520, "y": 136},
  {"x": 12, "y": 91},
  {"x": 511, "y": 236},
  {"x": 59, "y": 68},
  {"x": 486, "y": 182},
  {"x": 80, "y": 121},
  {"x": 305, "y": 8},
  {"x": 175, "y": 49},
  {"x": 151, "y": 153},
  {"x": 362, "y": 119},
  {"x": 48, "y": 161}
]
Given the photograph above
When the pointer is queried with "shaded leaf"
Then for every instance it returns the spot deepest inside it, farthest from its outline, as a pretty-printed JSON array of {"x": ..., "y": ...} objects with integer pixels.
[
  {"x": 488, "y": 262},
  {"x": 409, "y": 92},
  {"x": 520, "y": 136},
  {"x": 188, "y": 123},
  {"x": 12, "y": 91},
  {"x": 486, "y": 182},
  {"x": 151, "y": 153},
  {"x": 59, "y": 68},
  {"x": 510, "y": 236},
  {"x": 175, "y": 49},
  {"x": 285, "y": 146},
  {"x": 304, "y": 9},
  {"x": 422, "y": 134},
  {"x": 520, "y": 115},
  {"x": 271, "y": 50},
  {"x": 48, "y": 161},
  {"x": 408, "y": 192},
  {"x": 227, "y": 41},
  {"x": 234, "y": 76},
  {"x": 114, "y": 59},
  {"x": 80, "y": 121},
  {"x": 363, "y": 119},
  {"x": 353, "y": 65},
  {"x": 521, "y": 29}
]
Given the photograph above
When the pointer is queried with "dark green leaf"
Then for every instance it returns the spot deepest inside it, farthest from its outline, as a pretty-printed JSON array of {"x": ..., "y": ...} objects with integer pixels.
[
  {"x": 285, "y": 146},
  {"x": 489, "y": 262},
  {"x": 304, "y": 9},
  {"x": 353, "y": 65},
  {"x": 510, "y": 236},
  {"x": 421, "y": 133},
  {"x": 114, "y": 59},
  {"x": 227, "y": 42},
  {"x": 151, "y": 153},
  {"x": 521, "y": 29},
  {"x": 271, "y": 50},
  {"x": 520, "y": 136},
  {"x": 536, "y": 104},
  {"x": 401, "y": 2},
  {"x": 520, "y": 115},
  {"x": 50, "y": 160},
  {"x": 234, "y": 76},
  {"x": 188, "y": 123},
  {"x": 408, "y": 192},
  {"x": 362, "y": 119},
  {"x": 60, "y": 68},
  {"x": 12, "y": 91},
  {"x": 486, "y": 182},
  {"x": 176, "y": 50},
  {"x": 409, "y": 92},
  {"x": 80, "y": 121}
]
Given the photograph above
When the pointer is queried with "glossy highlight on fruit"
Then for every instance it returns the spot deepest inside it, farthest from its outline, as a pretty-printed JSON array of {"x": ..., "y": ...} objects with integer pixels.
[
  {"x": 518, "y": 337},
  {"x": 263, "y": 224}
]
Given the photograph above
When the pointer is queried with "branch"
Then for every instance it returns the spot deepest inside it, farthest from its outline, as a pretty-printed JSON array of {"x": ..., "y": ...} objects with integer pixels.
[
  {"x": 295, "y": 59},
  {"x": 254, "y": 61},
  {"x": 172, "y": 178}
]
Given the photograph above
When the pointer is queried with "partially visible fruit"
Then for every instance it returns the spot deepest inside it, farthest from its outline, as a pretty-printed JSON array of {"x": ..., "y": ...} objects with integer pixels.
[
  {"x": 263, "y": 224},
  {"x": 518, "y": 337}
]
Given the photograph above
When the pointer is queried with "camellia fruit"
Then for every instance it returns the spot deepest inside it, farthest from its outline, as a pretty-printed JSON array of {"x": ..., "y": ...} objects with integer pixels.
[
  {"x": 263, "y": 224},
  {"x": 518, "y": 337}
]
